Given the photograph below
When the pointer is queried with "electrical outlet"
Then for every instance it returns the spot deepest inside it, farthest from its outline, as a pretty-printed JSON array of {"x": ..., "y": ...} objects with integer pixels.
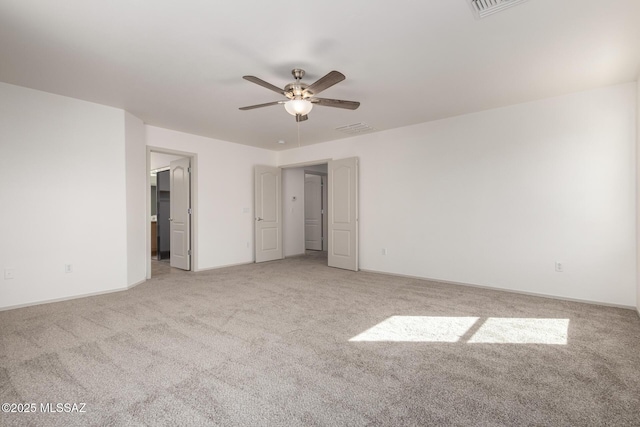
[
  {"x": 9, "y": 273},
  {"x": 559, "y": 267},
  {"x": 68, "y": 268}
]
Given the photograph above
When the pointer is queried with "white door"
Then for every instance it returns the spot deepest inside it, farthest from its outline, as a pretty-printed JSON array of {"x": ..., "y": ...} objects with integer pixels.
[
  {"x": 180, "y": 214},
  {"x": 268, "y": 207},
  {"x": 343, "y": 213},
  {"x": 325, "y": 224},
  {"x": 313, "y": 212}
]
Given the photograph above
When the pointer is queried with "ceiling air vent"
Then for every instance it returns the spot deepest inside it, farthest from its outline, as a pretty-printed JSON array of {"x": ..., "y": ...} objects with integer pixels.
[
  {"x": 355, "y": 128},
  {"x": 482, "y": 8}
]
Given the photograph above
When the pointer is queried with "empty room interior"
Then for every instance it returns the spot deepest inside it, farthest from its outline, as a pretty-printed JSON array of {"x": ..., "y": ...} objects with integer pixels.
[{"x": 319, "y": 213}]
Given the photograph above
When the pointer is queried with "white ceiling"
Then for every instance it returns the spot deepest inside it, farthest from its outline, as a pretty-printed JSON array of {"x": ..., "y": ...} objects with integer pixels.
[{"x": 179, "y": 65}]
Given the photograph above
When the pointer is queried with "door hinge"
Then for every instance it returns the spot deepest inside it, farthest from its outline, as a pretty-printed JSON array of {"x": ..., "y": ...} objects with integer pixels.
[
  {"x": 322, "y": 211},
  {"x": 189, "y": 169},
  {"x": 189, "y": 252},
  {"x": 189, "y": 211}
]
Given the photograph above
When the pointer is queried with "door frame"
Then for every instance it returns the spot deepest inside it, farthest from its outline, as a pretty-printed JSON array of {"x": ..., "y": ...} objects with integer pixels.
[{"x": 193, "y": 157}]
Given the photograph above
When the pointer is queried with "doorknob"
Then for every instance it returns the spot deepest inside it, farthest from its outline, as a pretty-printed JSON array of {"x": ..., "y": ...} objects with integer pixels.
[
  {"x": 170, "y": 219},
  {"x": 258, "y": 219}
]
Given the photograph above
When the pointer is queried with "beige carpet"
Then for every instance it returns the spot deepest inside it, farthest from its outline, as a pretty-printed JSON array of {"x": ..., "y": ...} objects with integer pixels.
[{"x": 294, "y": 342}]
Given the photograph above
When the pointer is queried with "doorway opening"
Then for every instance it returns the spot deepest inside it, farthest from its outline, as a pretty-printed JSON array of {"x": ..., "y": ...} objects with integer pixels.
[
  {"x": 160, "y": 213},
  {"x": 305, "y": 211},
  {"x": 279, "y": 213},
  {"x": 315, "y": 209},
  {"x": 330, "y": 222},
  {"x": 171, "y": 201}
]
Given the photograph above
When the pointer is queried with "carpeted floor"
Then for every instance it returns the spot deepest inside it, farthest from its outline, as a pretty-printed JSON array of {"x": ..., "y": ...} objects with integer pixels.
[{"x": 294, "y": 342}]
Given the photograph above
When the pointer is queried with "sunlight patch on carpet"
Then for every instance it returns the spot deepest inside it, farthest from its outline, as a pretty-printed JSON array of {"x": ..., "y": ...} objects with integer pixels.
[
  {"x": 503, "y": 330},
  {"x": 418, "y": 329},
  {"x": 475, "y": 330}
]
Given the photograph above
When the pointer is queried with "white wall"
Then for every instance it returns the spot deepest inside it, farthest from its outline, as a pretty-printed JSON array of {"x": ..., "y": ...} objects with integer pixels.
[
  {"x": 293, "y": 211},
  {"x": 497, "y": 197},
  {"x": 225, "y": 189},
  {"x": 62, "y": 181},
  {"x": 136, "y": 191}
]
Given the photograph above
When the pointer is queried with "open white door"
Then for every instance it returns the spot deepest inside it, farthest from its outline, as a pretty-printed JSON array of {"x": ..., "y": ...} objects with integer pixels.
[
  {"x": 268, "y": 206},
  {"x": 343, "y": 213},
  {"x": 325, "y": 215},
  {"x": 180, "y": 211},
  {"x": 313, "y": 212}
]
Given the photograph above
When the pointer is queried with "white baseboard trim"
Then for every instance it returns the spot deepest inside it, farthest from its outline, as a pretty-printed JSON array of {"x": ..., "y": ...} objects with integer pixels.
[
  {"x": 136, "y": 284},
  {"x": 224, "y": 266},
  {"x": 69, "y": 298},
  {"x": 494, "y": 288},
  {"x": 295, "y": 255}
]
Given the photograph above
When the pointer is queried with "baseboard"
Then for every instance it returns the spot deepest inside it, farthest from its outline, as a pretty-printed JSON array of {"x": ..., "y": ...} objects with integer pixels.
[
  {"x": 136, "y": 284},
  {"x": 69, "y": 298},
  {"x": 295, "y": 255},
  {"x": 224, "y": 266},
  {"x": 494, "y": 288}
]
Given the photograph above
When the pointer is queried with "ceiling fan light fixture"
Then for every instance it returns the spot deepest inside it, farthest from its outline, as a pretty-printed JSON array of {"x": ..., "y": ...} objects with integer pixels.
[
  {"x": 297, "y": 107},
  {"x": 301, "y": 96}
]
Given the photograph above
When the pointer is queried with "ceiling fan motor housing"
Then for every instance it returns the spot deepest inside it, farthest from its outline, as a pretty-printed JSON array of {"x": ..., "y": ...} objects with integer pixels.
[{"x": 296, "y": 89}]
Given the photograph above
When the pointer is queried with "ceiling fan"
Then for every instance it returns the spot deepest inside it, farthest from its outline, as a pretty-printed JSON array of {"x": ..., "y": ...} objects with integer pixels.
[{"x": 301, "y": 96}]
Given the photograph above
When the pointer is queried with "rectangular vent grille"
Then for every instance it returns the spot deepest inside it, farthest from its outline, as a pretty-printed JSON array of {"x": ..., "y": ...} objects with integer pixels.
[
  {"x": 483, "y": 8},
  {"x": 355, "y": 128}
]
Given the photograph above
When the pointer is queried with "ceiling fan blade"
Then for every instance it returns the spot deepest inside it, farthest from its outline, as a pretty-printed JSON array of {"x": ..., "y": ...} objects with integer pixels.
[
  {"x": 325, "y": 83},
  {"x": 337, "y": 103},
  {"x": 251, "y": 107},
  {"x": 301, "y": 118},
  {"x": 262, "y": 83}
]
